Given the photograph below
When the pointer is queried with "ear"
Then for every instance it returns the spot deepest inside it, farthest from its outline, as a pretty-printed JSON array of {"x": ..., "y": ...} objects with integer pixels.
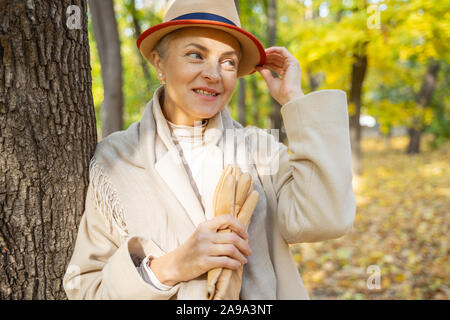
[{"x": 157, "y": 62}]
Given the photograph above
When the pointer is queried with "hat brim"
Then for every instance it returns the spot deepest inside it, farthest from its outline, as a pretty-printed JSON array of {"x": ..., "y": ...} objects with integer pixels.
[{"x": 253, "y": 53}]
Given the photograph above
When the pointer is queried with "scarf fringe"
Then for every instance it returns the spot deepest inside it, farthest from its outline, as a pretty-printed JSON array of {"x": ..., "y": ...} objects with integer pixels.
[{"x": 106, "y": 199}]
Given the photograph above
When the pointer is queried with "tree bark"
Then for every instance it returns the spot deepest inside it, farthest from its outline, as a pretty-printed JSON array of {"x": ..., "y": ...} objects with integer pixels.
[
  {"x": 255, "y": 101},
  {"x": 47, "y": 138},
  {"x": 137, "y": 33},
  {"x": 314, "y": 79},
  {"x": 414, "y": 141},
  {"x": 387, "y": 137},
  {"x": 277, "y": 121},
  {"x": 423, "y": 100},
  {"x": 359, "y": 69},
  {"x": 107, "y": 38},
  {"x": 242, "y": 110}
]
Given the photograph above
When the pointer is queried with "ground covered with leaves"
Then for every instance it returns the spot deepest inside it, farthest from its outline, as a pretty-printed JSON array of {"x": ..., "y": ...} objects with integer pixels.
[{"x": 400, "y": 230}]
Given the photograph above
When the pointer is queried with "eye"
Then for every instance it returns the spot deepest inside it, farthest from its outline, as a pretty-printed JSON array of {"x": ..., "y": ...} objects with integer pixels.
[
  {"x": 231, "y": 62},
  {"x": 194, "y": 55}
]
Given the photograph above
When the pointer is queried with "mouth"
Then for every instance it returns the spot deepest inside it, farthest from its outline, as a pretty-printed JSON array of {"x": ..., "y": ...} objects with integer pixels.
[{"x": 206, "y": 92}]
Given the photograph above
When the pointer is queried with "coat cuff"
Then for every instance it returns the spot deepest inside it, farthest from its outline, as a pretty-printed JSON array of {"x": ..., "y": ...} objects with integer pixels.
[
  {"x": 318, "y": 108},
  {"x": 123, "y": 279},
  {"x": 148, "y": 275}
]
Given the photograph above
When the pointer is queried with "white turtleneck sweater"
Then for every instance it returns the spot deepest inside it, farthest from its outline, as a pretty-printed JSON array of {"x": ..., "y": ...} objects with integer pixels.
[{"x": 192, "y": 144}]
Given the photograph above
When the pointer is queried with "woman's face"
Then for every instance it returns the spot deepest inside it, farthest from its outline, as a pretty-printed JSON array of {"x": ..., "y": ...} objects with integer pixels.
[{"x": 200, "y": 70}]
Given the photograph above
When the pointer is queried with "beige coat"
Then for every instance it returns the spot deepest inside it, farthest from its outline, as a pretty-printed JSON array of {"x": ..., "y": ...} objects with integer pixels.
[{"x": 140, "y": 201}]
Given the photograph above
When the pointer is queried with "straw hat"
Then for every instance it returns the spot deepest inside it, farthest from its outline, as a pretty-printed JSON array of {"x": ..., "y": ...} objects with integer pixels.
[{"x": 220, "y": 15}]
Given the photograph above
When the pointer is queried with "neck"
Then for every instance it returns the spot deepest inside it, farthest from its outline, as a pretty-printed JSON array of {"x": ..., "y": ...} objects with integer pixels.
[{"x": 176, "y": 115}]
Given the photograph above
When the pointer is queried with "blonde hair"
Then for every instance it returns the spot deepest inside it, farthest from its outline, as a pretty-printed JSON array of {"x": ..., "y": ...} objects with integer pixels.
[{"x": 163, "y": 44}]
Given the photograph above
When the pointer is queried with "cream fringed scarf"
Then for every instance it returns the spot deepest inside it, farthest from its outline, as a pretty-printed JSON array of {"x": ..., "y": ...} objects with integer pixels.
[
  {"x": 106, "y": 199},
  {"x": 105, "y": 195},
  {"x": 141, "y": 190}
]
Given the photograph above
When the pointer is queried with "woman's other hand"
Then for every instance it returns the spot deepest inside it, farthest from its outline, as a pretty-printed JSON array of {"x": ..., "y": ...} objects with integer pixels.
[
  {"x": 206, "y": 249},
  {"x": 288, "y": 86}
]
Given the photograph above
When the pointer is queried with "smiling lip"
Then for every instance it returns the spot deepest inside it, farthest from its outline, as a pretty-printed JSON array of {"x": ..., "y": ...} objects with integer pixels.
[
  {"x": 207, "y": 98},
  {"x": 207, "y": 89}
]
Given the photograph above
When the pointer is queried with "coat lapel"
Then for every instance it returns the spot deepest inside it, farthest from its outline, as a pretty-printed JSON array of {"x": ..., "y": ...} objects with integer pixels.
[
  {"x": 168, "y": 163},
  {"x": 172, "y": 171},
  {"x": 213, "y": 167}
]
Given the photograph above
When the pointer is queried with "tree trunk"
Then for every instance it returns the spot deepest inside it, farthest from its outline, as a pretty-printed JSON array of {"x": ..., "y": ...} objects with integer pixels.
[
  {"x": 387, "y": 137},
  {"x": 314, "y": 79},
  {"x": 107, "y": 38},
  {"x": 137, "y": 33},
  {"x": 359, "y": 68},
  {"x": 277, "y": 121},
  {"x": 242, "y": 110},
  {"x": 47, "y": 138},
  {"x": 423, "y": 100},
  {"x": 414, "y": 141},
  {"x": 255, "y": 101},
  {"x": 242, "y": 103}
]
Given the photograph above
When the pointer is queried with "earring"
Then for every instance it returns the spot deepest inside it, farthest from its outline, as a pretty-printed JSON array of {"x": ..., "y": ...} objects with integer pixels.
[{"x": 162, "y": 81}]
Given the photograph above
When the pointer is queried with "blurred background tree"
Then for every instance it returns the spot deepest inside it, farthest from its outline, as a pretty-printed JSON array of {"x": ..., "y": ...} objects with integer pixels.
[
  {"x": 391, "y": 58},
  {"x": 108, "y": 48}
]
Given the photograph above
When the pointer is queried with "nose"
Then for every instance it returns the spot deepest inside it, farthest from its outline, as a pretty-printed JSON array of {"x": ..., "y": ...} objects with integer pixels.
[{"x": 211, "y": 71}]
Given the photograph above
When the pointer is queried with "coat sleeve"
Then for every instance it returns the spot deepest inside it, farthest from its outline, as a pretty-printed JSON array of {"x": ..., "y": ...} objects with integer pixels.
[
  {"x": 103, "y": 267},
  {"x": 314, "y": 184}
]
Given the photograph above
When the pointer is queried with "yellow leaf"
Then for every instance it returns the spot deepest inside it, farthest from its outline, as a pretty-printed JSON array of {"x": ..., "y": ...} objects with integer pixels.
[
  {"x": 399, "y": 277},
  {"x": 318, "y": 276},
  {"x": 385, "y": 282}
]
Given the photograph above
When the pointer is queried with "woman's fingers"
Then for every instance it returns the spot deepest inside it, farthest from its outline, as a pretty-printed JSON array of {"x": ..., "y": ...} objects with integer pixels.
[
  {"x": 227, "y": 221},
  {"x": 280, "y": 55},
  {"x": 282, "y": 51},
  {"x": 223, "y": 262},
  {"x": 228, "y": 250},
  {"x": 234, "y": 239},
  {"x": 266, "y": 74},
  {"x": 276, "y": 58},
  {"x": 280, "y": 62},
  {"x": 275, "y": 68}
]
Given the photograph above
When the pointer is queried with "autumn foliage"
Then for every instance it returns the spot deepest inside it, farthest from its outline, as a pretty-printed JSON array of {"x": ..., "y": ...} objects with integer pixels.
[{"x": 401, "y": 226}]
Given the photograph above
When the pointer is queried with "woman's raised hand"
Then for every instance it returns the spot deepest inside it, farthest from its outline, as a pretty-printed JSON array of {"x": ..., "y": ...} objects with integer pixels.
[
  {"x": 288, "y": 86},
  {"x": 206, "y": 249}
]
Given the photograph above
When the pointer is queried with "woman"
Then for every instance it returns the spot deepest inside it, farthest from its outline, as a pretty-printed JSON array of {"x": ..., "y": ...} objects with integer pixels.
[{"x": 149, "y": 230}]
